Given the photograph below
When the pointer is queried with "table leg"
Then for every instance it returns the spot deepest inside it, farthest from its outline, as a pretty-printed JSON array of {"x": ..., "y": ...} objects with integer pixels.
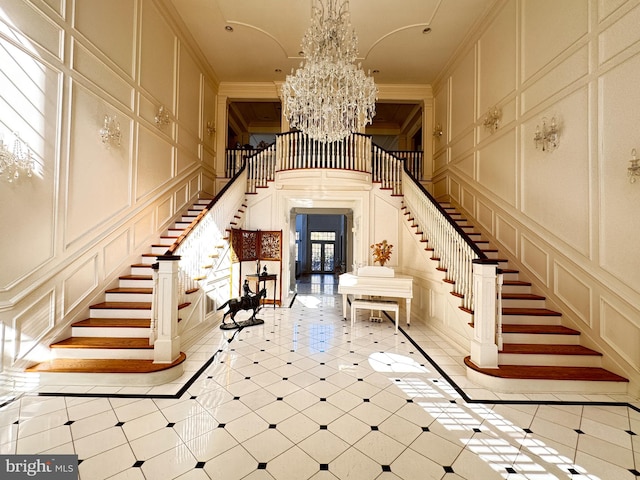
[
  {"x": 408, "y": 311},
  {"x": 344, "y": 305}
]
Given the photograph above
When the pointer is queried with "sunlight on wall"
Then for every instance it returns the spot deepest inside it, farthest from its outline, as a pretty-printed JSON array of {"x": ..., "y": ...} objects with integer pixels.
[{"x": 23, "y": 95}]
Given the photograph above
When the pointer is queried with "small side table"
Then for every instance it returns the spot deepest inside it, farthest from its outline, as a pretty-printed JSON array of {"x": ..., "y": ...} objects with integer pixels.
[{"x": 261, "y": 278}]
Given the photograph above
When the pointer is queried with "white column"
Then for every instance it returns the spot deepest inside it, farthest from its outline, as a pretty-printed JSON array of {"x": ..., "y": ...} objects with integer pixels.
[
  {"x": 484, "y": 351},
  {"x": 222, "y": 124},
  {"x": 166, "y": 348}
]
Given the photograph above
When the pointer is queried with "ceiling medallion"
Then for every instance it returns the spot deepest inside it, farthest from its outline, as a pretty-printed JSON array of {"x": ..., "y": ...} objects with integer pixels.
[{"x": 329, "y": 97}]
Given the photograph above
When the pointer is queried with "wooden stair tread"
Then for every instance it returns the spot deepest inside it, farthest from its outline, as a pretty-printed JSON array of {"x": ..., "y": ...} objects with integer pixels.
[
  {"x": 521, "y": 296},
  {"x": 129, "y": 290},
  {"x": 136, "y": 277},
  {"x": 103, "y": 342},
  {"x": 114, "y": 322},
  {"x": 535, "y": 372},
  {"x": 519, "y": 283},
  {"x": 541, "y": 349},
  {"x": 539, "y": 329},
  {"x": 543, "y": 312},
  {"x": 124, "y": 305},
  {"x": 77, "y": 365}
]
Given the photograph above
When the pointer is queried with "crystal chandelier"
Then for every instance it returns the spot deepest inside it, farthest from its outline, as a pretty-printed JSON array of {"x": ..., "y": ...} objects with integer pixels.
[
  {"x": 329, "y": 97},
  {"x": 16, "y": 161}
]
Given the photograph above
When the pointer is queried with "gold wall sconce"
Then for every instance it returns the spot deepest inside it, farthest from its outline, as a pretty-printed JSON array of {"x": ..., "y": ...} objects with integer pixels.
[
  {"x": 548, "y": 137},
  {"x": 634, "y": 169},
  {"x": 492, "y": 119},
  {"x": 437, "y": 131},
  {"x": 110, "y": 132},
  {"x": 162, "y": 116}
]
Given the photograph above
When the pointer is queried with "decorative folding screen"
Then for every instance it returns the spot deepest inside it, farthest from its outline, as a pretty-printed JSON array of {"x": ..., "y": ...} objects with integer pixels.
[{"x": 251, "y": 245}]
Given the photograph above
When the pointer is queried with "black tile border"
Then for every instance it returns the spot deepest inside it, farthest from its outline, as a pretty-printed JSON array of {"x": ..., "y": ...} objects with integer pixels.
[{"x": 439, "y": 369}]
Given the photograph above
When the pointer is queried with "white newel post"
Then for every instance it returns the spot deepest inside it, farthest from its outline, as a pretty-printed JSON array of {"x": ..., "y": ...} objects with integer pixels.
[
  {"x": 166, "y": 348},
  {"x": 484, "y": 351}
]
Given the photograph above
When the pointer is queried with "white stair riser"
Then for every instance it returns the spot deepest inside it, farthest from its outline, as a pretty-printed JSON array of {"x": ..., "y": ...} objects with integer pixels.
[
  {"x": 522, "y": 303},
  {"x": 160, "y": 250},
  {"x": 173, "y": 233},
  {"x": 545, "y": 386},
  {"x": 516, "y": 288},
  {"x": 541, "y": 339},
  {"x": 110, "y": 353},
  {"x": 550, "y": 360},
  {"x": 131, "y": 283},
  {"x": 531, "y": 320},
  {"x": 147, "y": 260},
  {"x": 119, "y": 313},
  {"x": 187, "y": 218},
  {"x": 182, "y": 225},
  {"x": 128, "y": 297},
  {"x": 167, "y": 242},
  {"x": 111, "y": 332},
  {"x": 141, "y": 270}
]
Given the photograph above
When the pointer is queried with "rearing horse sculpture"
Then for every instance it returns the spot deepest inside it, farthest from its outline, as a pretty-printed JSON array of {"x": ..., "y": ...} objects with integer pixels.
[{"x": 246, "y": 302}]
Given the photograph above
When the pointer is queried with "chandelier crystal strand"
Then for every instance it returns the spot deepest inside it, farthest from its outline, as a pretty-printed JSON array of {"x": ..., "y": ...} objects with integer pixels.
[{"x": 329, "y": 97}]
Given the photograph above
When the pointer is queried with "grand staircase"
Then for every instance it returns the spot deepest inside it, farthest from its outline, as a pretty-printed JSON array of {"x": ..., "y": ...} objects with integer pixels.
[
  {"x": 114, "y": 339},
  {"x": 538, "y": 351}
]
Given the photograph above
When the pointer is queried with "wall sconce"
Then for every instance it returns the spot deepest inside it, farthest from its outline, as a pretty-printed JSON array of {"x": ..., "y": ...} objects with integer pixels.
[
  {"x": 492, "y": 119},
  {"x": 634, "y": 169},
  {"x": 437, "y": 131},
  {"x": 16, "y": 162},
  {"x": 210, "y": 129},
  {"x": 162, "y": 117},
  {"x": 548, "y": 137},
  {"x": 110, "y": 132}
]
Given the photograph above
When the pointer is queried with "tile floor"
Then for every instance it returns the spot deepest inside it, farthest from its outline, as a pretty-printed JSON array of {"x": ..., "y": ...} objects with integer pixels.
[{"x": 306, "y": 397}]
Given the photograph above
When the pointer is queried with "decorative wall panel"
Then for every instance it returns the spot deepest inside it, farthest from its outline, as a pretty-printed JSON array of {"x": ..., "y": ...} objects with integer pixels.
[
  {"x": 535, "y": 258},
  {"x": 573, "y": 291},
  {"x": 607, "y": 7},
  {"x": 440, "y": 160},
  {"x": 620, "y": 331},
  {"x": 100, "y": 74},
  {"x": 157, "y": 50},
  {"x": 98, "y": 184},
  {"x": 497, "y": 167},
  {"x": 622, "y": 34},
  {"x": 32, "y": 28},
  {"x": 188, "y": 152},
  {"x": 182, "y": 197},
  {"x": 468, "y": 201},
  {"x": 497, "y": 59},
  {"x": 114, "y": 251},
  {"x": 507, "y": 235},
  {"x": 164, "y": 212},
  {"x": 155, "y": 162},
  {"x": 564, "y": 211},
  {"x": 79, "y": 284},
  {"x": 143, "y": 228},
  {"x": 32, "y": 323},
  {"x": 569, "y": 22},
  {"x": 462, "y": 95},
  {"x": 467, "y": 165},
  {"x": 110, "y": 26},
  {"x": 189, "y": 100},
  {"x": 484, "y": 215}
]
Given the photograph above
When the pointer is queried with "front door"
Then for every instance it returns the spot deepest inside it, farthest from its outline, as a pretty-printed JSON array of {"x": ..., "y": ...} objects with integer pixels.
[{"x": 323, "y": 247}]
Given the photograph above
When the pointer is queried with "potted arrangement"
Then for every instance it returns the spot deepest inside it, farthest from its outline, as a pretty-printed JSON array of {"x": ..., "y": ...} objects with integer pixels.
[{"x": 381, "y": 252}]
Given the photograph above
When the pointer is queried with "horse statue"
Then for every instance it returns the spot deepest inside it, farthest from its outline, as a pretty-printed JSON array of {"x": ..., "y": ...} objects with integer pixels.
[{"x": 246, "y": 302}]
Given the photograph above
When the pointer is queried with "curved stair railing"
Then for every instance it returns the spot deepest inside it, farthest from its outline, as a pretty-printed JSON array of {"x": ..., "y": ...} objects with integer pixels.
[
  {"x": 474, "y": 277},
  {"x": 181, "y": 268}
]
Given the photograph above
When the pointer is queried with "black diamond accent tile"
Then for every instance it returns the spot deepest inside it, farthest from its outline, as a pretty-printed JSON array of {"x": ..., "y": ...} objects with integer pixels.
[
  {"x": 634, "y": 472},
  {"x": 222, "y": 425},
  {"x": 236, "y": 398},
  {"x": 425, "y": 429},
  {"x": 573, "y": 471},
  {"x": 70, "y": 422},
  {"x": 409, "y": 400},
  {"x": 361, "y": 379},
  {"x": 374, "y": 428},
  {"x": 289, "y": 363},
  {"x": 477, "y": 430},
  {"x": 351, "y": 351},
  {"x": 452, "y": 401},
  {"x": 272, "y": 425},
  {"x": 527, "y": 430},
  {"x": 324, "y": 466},
  {"x": 16, "y": 422},
  {"x": 386, "y": 468},
  {"x": 169, "y": 425},
  {"x": 119, "y": 424},
  {"x": 262, "y": 466},
  {"x": 323, "y": 399},
  {"x": 510, "y": 470},
  {"x": 247, "y": 378},
  {"x": 366, "y": 400},
  {"x": 138, "y": 463},
  {"x": 323, "y": 379},
  {"x": 355, "y": 364},
  {"x": 209, "y": 377},
  {"x": 321, "y": 363},
  {"x": 256, "y": 363},
  {"x": 323, "y": 427},
  {"x": 200, "y": 464},
  {"x": 280, "y": 399},
  {"x": 193, "y": 397},
  {"x": 80, "y": 461},
  {"x": 285, "y": 378},
  {"x": 630, "y": 432},
  {"x": 578, "y": 431},
  {"x": 448, "y": 469}
]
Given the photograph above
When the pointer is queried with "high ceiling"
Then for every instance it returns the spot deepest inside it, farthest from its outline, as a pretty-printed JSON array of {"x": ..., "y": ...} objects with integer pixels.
[{"x": 400, "y": 42}]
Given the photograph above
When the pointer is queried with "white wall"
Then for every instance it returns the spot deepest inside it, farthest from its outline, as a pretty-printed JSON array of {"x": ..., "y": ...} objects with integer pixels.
[
  {"x": 90, "y": 210},
  {"x": 567, "y": 217}
]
